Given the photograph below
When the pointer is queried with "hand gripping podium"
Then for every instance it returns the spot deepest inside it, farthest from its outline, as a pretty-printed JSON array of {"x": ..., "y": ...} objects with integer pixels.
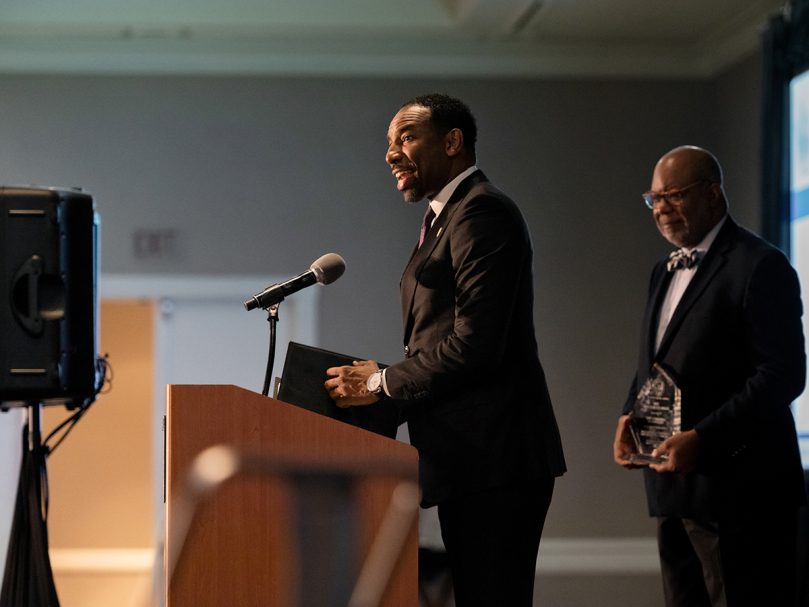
[{"x": 268, "y": 504}]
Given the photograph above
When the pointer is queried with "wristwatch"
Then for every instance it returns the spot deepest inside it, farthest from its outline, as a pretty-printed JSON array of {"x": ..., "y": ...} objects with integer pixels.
[{"x": 374, "y": 383}]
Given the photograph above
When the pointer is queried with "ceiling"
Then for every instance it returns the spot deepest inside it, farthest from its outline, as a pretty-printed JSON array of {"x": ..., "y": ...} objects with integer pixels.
[{"x": 648, "y": 38}]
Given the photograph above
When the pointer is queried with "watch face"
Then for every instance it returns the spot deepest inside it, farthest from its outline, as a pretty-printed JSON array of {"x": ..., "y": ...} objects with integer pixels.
[{"x": 374, "y": 382}]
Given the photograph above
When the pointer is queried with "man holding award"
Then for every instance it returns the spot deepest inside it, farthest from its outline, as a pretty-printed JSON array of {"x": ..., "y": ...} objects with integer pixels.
[{"x": 708, "y": 417}]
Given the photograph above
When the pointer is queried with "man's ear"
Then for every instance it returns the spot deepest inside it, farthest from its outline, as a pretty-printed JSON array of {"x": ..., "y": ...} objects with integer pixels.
[
  {"x": 453, "y": 142},
  {"x": 717, "y": 198}
]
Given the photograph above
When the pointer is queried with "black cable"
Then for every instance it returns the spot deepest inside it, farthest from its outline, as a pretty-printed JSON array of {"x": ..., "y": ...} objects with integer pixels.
[
  {"x": 104, "y": 376},
  {"x": 72, "y": 420}
]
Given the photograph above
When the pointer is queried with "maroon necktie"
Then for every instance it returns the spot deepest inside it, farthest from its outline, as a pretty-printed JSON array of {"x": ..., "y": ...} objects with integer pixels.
[{"x": 429, "y": 215}]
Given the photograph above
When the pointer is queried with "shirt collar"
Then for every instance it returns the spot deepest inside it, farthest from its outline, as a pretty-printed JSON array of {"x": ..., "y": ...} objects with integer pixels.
[{"x": 440, "y": 201}]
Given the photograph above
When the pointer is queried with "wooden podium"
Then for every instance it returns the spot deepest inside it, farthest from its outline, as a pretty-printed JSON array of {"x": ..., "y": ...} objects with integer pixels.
[{"x": 244, "y": 546}]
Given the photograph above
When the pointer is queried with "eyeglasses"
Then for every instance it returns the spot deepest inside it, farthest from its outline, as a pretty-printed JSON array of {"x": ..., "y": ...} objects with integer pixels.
[{"x": 672, "y": 197}]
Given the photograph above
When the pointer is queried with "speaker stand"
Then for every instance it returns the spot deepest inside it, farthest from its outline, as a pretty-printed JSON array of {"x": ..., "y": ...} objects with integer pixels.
[{"x": 28, "y": 578}]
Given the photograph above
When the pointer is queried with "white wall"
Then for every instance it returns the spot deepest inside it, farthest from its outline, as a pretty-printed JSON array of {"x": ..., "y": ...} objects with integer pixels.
[{"x": 10, "y": 452}]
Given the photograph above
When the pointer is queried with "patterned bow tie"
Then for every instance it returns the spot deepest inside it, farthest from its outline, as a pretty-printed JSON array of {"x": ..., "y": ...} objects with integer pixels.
[{"x": 680, "y": 259}]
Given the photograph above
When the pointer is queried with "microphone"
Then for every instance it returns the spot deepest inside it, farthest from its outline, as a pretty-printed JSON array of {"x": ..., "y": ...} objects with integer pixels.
[{"x": 325, "y": 270}]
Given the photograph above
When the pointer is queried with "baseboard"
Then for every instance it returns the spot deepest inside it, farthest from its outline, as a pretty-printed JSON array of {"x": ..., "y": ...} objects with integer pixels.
[
  {"x": 102, "y": 560},
  {"x": 557, "y": 556},
  {"x": 598, "y": 556}
]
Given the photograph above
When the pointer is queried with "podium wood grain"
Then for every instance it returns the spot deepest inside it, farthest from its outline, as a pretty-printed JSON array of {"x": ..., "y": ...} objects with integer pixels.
[{"x": 241, "y": 550}]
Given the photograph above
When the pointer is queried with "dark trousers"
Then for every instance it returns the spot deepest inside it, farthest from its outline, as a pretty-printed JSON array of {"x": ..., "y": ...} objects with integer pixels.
[
  {"x": 729, "y": 563},
  {"x": 492, "y": 539}
]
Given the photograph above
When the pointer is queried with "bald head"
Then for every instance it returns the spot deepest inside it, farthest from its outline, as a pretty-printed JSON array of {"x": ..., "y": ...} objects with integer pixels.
[
  {"x": 697, "y": 162},
  {"x": 686, "y": 219}
]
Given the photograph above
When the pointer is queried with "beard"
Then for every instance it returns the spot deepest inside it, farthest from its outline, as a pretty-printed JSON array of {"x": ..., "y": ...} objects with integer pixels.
[{"x": 413, "y": 195}]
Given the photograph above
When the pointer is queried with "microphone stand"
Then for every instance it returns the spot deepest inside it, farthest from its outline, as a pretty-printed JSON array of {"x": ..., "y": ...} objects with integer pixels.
[{"x": 272, "y": 318}]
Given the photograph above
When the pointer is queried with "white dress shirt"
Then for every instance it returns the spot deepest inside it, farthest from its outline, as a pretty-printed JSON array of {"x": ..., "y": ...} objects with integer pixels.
[{"x": 680, "y": 281}]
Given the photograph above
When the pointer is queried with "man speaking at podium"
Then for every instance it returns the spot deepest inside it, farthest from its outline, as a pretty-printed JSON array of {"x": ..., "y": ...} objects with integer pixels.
[{"x": 471, "y": 385}]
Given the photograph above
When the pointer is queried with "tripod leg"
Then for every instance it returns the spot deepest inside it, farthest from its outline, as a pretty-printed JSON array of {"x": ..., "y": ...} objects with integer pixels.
[{"x": 28, "y": 578}]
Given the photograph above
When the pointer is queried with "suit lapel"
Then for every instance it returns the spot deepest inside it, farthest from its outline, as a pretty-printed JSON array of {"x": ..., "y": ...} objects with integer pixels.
[
  {"x": 660, "y": 284},
  {"x": 410, "y": 276},
  {"x": 706, "y": 270}
]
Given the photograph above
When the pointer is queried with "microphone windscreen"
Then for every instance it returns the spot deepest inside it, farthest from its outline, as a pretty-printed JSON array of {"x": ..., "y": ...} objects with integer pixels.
[{"x": 328, "y": 268}]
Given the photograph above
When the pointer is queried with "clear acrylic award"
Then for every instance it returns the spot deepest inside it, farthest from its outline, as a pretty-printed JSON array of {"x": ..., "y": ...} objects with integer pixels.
[{"x": 655, "y": 415}]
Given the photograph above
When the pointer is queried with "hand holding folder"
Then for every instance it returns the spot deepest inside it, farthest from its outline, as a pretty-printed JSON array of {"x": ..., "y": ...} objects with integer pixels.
[{"x": 302, "y": 382}]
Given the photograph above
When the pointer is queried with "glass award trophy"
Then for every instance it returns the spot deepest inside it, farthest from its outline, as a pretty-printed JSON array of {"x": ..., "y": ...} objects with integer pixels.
[{"x": 655, "y": 415}]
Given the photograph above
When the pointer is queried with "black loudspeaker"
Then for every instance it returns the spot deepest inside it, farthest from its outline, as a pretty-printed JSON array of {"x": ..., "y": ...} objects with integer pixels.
[{"x": 49, "y": 239}]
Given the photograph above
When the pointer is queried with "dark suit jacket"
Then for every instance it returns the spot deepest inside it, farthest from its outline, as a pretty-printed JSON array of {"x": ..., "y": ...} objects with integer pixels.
[
  {"x": 471, "y": 386},
  {"x": 735, "y": 347}
]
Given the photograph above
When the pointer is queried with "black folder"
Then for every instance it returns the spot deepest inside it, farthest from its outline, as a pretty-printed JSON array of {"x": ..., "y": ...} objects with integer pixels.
[{"x": 302, "y": 385}]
